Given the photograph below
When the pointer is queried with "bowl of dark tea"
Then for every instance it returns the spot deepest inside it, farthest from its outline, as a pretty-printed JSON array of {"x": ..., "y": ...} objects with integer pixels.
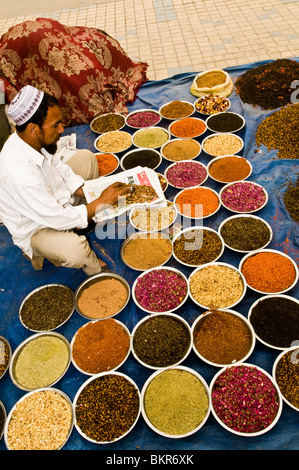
[{"x": 47, "y": 307}]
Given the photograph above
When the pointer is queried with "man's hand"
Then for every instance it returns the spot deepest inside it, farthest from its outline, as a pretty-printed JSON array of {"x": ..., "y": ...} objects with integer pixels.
[
  {"x": 111, "y": 194},
  {"x": 109, "y": 197}
]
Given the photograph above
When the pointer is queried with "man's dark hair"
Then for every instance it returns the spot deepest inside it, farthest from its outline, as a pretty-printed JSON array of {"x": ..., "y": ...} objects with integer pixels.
[{"x": 41, "y": 113}]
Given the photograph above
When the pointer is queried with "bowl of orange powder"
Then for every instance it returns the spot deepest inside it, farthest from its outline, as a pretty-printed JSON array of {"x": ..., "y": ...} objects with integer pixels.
[
  {"x": 269, "y": 271},
  {"x": 197, "y": 202},
  {"x": 107, "y": 163},
  {"x": 187, "y": 128}
]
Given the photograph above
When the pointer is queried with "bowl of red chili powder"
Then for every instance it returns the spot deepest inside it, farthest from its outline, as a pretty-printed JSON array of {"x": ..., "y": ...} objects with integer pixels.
[
  {"x": 269, "y": 271},
  {"x": 100, "y": 345}
]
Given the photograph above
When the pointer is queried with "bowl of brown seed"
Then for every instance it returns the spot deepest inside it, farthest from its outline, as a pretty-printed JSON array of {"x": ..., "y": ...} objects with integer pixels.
[
  {"x": 107, "y": 122},
  {"x": 107, "y": 423}
]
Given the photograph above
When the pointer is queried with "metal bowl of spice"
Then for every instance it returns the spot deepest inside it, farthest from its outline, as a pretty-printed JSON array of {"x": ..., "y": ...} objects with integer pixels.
[
  {"x": 41, "y": 420},
  {"x": 222, "y": 337},
  {"x": 47, "y": 307},
  {"x": 195, "y": 246},
  {"x": 237, "y": 391},
  {"x": 3, "y": 417},
  {"x": 160, "y": 290},
  {"x": 154, "y": 218},
  {"x": 175, "y": 402},
  {"x": 217, "y": 145},
  {"x": 180, "y": 149},
  {"x": 243, "y": 196},
  {"x": 269, "y": 271},
  {"x": 40, "y": 361},
  {"x": 151, "y": 137},
  {"x": 107, "y": 122},
  {"x": 146, "y": 250},
  {"x": 144, "y": 157},
  {"x": 187, "y": 128},
  {"x": 100, "y": 346},
  {"x": 211, "y": 104},
  {"x": 5, "y": 355},
  {"x": 161, "y": 340},
  {"x": 217, "y": 286},
  {"x": 275, "y": 320},
  {"x": 143, "y": 118},
  {"x": 185, "y": 174},
  {"x": 107, "y": 423},
  {"x": 229, "y": 168},
  {"x": 197, "y": 203},
  {"x": 107, "y": 163},
  {"x": 225, "y": 122},
  {"x": 102, "y": 296},
  {"x": 176, "y": 109},
  {"x": 113, "y": 142},
  {"x": 285, "y": 372},
  {"x": 245, "y": 232}
]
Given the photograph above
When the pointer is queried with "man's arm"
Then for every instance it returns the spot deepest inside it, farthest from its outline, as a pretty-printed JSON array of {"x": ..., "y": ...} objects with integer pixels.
[{"x": 108, "y": 197}]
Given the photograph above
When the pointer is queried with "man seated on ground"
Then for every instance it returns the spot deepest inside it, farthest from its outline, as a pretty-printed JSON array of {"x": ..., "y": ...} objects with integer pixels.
[{"x": 41, "y": 197}]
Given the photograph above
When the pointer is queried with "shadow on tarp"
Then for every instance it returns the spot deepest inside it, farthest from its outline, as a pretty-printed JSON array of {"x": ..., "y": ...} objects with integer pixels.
[{"x": 17, "y": 279}]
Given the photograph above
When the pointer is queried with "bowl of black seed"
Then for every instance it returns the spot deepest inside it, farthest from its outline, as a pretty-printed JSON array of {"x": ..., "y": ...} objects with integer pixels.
[
  {"x": 149, "y": 158},
  {"x": 225, "y": 122},
  {"x": 275, "y": 320}
]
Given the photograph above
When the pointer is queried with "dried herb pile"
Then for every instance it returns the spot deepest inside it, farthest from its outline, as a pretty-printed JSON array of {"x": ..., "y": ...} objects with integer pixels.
[
  {"x": 280, "y": 131},
  {"x": 291, "y": 199},
  {"x": 47, "y": 308},
  {"x": 268, "y": 85}
]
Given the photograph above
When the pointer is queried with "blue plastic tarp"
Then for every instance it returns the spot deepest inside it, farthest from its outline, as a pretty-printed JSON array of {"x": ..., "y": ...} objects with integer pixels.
[{"x": 17, "y": 279}]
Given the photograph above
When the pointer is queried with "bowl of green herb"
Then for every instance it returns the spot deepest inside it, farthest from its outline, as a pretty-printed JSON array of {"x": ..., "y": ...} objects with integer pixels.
[{"x": 175, "y": 402}]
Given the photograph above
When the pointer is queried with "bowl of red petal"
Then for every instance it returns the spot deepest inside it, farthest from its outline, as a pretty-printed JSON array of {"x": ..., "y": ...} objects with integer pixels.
[
  {"x": 243, "y": 196},
  {"x": 245, "y": 400},
  {"x": 186, "y": 173},
  {"x": 160, "y": 290}
]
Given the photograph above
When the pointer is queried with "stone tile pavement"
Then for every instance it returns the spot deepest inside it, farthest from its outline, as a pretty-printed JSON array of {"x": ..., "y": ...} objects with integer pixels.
[{"x": 176, "y": 36}]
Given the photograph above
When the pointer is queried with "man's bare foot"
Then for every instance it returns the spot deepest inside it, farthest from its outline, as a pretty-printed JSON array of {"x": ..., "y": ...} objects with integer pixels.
[{"x": 103, "y": 265}]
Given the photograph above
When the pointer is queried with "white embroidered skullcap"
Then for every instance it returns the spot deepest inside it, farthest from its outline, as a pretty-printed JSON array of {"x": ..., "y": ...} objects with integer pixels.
[{"x": 24, "y": 104}]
